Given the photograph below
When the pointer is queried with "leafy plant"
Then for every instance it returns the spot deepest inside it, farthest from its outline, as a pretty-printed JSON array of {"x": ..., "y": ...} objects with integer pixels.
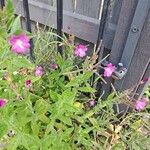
[{"x": 56, "y": 107}]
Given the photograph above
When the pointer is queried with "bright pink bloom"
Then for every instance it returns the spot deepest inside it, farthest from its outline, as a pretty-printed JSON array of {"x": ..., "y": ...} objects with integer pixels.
[
  {"x": 39, "y": 71},
  {"x": 141, "y": 104},
  {"x": 28, "y": 83},
  {"x": 109, "y": 70},
  {"x": 92, "y": 102},
  {"x": 80, "y": 50},
  {"x": 2, "y": 102},
  {"x": 20, "y": 43},
  {"x": 53, "y": 66}
]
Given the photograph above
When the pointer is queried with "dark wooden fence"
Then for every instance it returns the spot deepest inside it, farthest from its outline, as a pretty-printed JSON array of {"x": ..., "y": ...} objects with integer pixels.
[{"x": 126, "y": 35}]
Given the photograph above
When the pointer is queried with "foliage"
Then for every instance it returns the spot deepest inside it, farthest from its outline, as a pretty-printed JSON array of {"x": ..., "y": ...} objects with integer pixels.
[{"x": 54, "y": 112}]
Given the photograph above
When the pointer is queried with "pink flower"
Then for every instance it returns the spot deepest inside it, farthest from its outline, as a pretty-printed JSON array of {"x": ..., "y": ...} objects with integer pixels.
[
  {"x": 144, "y": 80},
  {"x": 53, "y": 66},
  {"x": 141, "y": 104},
  {"x": 39, "y": 71},
  {"x": 80, "y": 50},
  {"x": 109, "y": 70},
  {"x": 92, "y": 103},
  {"x": 28, "y": 83},
  {"x": 20, "y": 43},
  {"x": 2, "y": 102}
]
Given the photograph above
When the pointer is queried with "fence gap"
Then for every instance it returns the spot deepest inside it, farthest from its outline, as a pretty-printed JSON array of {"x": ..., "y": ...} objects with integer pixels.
[{"x": 59, "y": 24}]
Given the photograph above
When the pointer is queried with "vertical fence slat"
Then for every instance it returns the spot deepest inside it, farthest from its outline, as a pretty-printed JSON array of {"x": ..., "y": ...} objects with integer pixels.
[
  {"x": 68, "y": 5},
  {"x": 133, "y": 38},
  {"x": 140, "y": 59},
  {"x": 90, "y": 8},
  {"x": 141, "y": 89},
  {"x": 28, "y": 25},
  {"x": 59, "y": 24},
  {"x": 112, "y": 21},
  {"x": 124, "y": 22},
  {"x": 102, "y": 22}
]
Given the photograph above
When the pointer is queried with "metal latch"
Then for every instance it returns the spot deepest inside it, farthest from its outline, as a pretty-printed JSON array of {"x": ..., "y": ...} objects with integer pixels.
[{"x": 120, "y": 72}]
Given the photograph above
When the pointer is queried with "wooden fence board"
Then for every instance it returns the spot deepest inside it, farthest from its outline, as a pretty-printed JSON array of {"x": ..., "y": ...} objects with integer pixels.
[
  {"x": 124, "y": 22},
  {"x": 140, "y": 59},
  {"x": 133, "y": 39},
  {"x": 69, "y": 5},
  {"x": 90, "y": 8},
  {"x": 112, "y": 21},
  {"x": 49, "y": 2},
  {"x": 81, "y": 26},
  {"x": 141, "y": 89}
]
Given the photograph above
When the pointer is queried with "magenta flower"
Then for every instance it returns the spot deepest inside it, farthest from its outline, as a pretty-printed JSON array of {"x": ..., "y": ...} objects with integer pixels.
[
  {"x": 92, "y": 103},
  {"x": 141, "y": 104},
  {"x": 28, "y": 83},
  {"x": 81, "y": 50},
  {"x": 20, "y": 43},
  {"x": 2, "y": 102},
  {"x": 39, "y": 71},
  {"x": 53, "y": 66},
  {"x": 109, "y": 69}
]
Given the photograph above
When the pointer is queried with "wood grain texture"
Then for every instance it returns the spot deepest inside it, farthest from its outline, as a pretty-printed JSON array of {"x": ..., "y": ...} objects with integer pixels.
[
  {"x": 111, "y": 24},
  {"x": 141, "y": 58},
  {"x": 142, "y": 87},
  {"x": 69, "y": 5},
  {"x": 123, "y": 26},
  {"x": 49, "y": 2},
  {"x": 81, "y": 26},
  {"x": 122, "y": 29},
  {"x": 90, "y": 8}
]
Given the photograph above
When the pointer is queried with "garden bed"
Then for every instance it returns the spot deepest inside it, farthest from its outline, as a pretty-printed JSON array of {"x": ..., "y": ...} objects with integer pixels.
[{"x": 48, "y": 102}]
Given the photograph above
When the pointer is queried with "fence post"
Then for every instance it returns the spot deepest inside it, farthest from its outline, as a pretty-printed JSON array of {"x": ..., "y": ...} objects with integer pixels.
[
  {"x": 28, "y": 25},
  {"x": 59, "y": 24},
  {"x": 100, "y": 35}
]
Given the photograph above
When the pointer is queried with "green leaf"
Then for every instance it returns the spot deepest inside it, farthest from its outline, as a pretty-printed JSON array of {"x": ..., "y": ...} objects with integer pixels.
[
  {"x": 41, "y": 107},
  {"x": 119, "y": 146},
  {"x": 3, "y": 129},
  {"x": 35, "y": 127},
  {"x": 66, "y": 120},
  {"x": 15, "y": 26},
  {"x": 69, "y": 96},
  {"x": 136, "y": 124},
  {"x": 87, "y": 89},
  {"x": 53, "y": 96},
  {"x": 87, "y": 75}
]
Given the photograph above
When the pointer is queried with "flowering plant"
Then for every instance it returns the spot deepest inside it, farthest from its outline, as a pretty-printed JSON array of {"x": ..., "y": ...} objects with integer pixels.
[{"x": 50, "y": 104}]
